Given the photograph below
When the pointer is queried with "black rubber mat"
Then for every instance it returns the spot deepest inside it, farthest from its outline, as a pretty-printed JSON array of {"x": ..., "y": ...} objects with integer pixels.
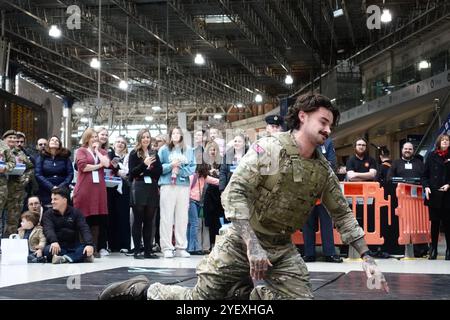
[
  {"x": 326, "y": 285},
  {"x": 88, "y": 285},
  {"x": 403, "y": 286}
]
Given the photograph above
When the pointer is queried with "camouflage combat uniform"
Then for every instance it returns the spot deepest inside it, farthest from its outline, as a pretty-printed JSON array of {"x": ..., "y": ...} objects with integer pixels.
[
  {"x": 9, "y": 163},
  {"x": 16, "y": 192},
  {"x": 275, "y": 189}
]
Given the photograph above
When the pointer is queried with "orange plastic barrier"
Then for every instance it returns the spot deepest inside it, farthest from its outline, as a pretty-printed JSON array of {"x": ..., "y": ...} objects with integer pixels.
[
  {"x": 359, "y": 191},
  {"x": 414, "y": 225}
]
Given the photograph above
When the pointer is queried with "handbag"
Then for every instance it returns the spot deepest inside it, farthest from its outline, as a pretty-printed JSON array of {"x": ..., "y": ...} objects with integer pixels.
[{"x": 14, "y": 250}]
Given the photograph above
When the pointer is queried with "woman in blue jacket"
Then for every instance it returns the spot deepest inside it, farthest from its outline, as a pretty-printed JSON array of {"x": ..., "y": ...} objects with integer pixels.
[
  {"x": 53, "y": 169},
  {"x": 178, "y": 164}
]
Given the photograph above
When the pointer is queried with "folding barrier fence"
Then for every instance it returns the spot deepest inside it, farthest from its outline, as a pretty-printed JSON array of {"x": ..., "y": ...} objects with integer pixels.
[
  {"x": 414, "y": 225},
  {"x": 369, "y": 195}
]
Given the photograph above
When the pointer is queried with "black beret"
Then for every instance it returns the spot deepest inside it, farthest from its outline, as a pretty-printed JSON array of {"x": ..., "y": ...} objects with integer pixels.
[{"x": 275, "y": 119}]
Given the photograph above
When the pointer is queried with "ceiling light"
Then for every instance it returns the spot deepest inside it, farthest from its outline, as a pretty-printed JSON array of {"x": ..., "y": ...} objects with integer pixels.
[
  {"x": 95, "y": 63},
  {"x": 239, "y": 105},
  {"x": 217, "y": 116},
  {"x": 338, "y": 12},
  {"x": 123, "y": 85},
  {"x": 115, "y": 77},
  {"x": 289, "y": 79},
  {"x": 156, "y": 108},
  {"x": 79, "y": 110},
  {"x": 54, "y": 32},
  {"x": 148, "y": 118},
  {"x": 84, "y": 120},
  {"x": 424, "y": 64},
  {"x": 199, "y": 59},
  {"x": 258, "y": 98},
  {"x": 386, "y": 16}
]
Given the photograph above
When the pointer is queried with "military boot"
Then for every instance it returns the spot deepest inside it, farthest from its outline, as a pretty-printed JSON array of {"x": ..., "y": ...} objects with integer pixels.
[{"x": 131, "y": 289}]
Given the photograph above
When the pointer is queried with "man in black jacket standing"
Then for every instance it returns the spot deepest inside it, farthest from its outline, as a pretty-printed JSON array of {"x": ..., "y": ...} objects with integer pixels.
[{"x": 62, "y": 226}]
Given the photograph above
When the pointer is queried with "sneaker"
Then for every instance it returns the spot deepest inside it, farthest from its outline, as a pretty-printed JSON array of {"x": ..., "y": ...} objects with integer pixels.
[
  {"x": 156, "y": 248},
  {"x": 196, "y": 253},
  {"x": 59, "y": 259},
  {"x": 104, "y": 252},
  {"x": 168, "y": 254},
  {"x": 131, "y": 289},
  {"x": 309, "y": 258},
  {"x": 123, "y": 250},
  {"x": 182, "y": 254},
  {"x": 334, "y": 259},
  {"x": 89, "y": 258},
  {"x": 150, "y": 255}
]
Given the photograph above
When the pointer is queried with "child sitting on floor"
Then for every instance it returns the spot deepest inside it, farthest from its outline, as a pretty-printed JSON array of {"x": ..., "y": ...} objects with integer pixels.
[{"x": 34, "y": 234}]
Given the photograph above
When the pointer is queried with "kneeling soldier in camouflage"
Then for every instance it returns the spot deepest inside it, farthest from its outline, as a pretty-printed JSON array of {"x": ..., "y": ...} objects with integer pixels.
[{"x": 269, "y": 197}]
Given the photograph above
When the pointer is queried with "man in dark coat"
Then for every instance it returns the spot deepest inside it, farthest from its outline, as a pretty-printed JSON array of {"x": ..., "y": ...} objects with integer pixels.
[{"x": 63, "y": 225}]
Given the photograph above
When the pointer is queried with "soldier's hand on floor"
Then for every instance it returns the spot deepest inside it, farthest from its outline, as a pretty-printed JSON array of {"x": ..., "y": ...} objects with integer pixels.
[
  {"x": 375, "y": 279},
  {"x": 259, "y": 262}
]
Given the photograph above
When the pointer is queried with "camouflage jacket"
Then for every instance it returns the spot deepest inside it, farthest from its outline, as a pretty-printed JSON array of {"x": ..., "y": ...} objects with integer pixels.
[
  {"x": 6, "y": 158},
  {"x": 276, "y": 189},
  {"x": 21, "y": 157}
]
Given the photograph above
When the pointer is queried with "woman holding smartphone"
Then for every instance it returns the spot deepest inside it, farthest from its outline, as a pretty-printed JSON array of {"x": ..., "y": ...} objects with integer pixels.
[{"x": 144, "y": 171}]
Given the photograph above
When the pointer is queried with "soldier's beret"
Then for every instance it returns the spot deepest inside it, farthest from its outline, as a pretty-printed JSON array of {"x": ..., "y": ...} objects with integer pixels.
[
  {"x": 274, "y": 119},
  {"x": 9, "y": 133},
  {"x": 21, "y": 134}
]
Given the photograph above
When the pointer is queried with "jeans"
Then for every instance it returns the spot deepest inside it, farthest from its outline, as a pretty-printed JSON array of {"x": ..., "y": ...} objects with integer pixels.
[
  {"x": 194, "y": 208},
  {"x": 326, "y": 230},
  {"x": 74, "y": 254}
]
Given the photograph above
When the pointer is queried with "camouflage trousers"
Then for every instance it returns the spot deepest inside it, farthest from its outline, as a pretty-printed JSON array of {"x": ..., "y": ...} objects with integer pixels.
[
  {"x": 3, "y": 198},
  {"x": 14, "y": 204},
  {"x": 225, "y": 274}
]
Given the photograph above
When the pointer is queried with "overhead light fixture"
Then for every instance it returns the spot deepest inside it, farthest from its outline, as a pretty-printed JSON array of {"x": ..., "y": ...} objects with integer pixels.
[
  {"x": 217, "y": 116},
  {"x": 338, "y": 12},
  {"x": 115, "y": 77},
  {"x": 424, "y": 64},
  {"x": 54, "y": 31},
  {"x": 79, "y": 110},
  {"x": 289, "y": 79},
  {"x": 239, "y": 105},
  {"x": 84, "y": 120},
  {"x": 95, "y": 63},
  {"x": 123, "y": 85},
  {"x": 258, "y": 98},
  {"x": 148, "y": 118},
  {"x": 386, "y": 16},
  {"x": 156, "y": 108},
  {"x": 199, "y": 59}
]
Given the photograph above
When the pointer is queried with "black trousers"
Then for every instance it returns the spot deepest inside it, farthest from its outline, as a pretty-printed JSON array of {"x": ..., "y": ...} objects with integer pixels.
[
  {"x": 142, "y": 227},
  {"x": 119, "y": 231}
]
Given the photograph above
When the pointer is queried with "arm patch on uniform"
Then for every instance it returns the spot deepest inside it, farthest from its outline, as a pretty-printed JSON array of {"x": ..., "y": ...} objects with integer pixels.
[{"x": 258, "y": 148}]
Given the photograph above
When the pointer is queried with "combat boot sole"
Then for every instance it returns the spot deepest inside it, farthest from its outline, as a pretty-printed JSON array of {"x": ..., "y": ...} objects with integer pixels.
[{"x": 131, "y": 289}]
